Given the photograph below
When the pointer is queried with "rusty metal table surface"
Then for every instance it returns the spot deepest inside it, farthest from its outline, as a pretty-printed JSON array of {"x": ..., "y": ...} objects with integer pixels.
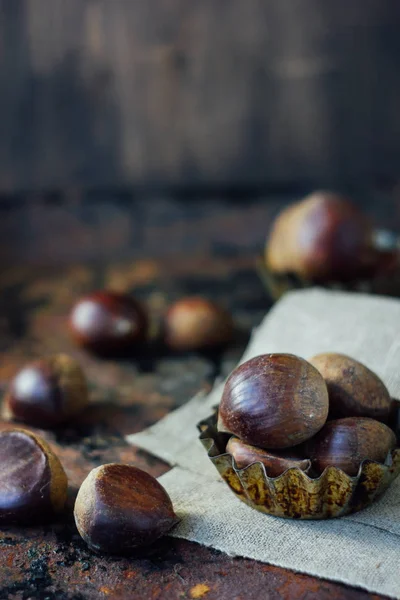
[{"x": 37, "y": 287}]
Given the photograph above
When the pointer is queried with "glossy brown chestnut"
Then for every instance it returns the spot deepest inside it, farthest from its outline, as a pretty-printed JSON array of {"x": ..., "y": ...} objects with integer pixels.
[
  {"x": 33, "y": 484},
  {"x": 354, "y": 390},
  {"x": 108, "y": 322},
  {"x": 120, "y": 508},
  {"x": 323, "y": 237},
  {"x": 47, "y": 392},
  {"x": 345, "y": 443},
  {"x": 196, "y": 323},
  {"x": 275, "y": 464},
  {"x": 274, "y": 401}
]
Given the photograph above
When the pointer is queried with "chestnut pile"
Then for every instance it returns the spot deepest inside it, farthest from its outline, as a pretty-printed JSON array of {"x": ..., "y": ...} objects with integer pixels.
[{"x": 284, "y": 411}]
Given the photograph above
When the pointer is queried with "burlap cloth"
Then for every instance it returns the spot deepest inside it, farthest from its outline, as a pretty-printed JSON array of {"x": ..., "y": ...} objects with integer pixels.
[{"x": 361, "y": 549}]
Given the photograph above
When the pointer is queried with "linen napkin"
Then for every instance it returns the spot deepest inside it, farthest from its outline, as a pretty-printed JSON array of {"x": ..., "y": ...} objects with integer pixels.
[{"x": 362, "y": 549}]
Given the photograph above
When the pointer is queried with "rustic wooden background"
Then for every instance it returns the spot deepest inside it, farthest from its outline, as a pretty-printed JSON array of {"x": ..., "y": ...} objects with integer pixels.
[{"x": 206, "y": 92}]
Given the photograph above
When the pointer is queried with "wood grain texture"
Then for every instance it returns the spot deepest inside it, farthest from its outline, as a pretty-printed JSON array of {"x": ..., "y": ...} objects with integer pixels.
[{"x": 173, "y": 92}]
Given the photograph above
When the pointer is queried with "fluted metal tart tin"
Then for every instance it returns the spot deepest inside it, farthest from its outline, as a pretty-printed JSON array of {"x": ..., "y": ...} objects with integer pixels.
[
  {"x": 385, "y": 281},
  {"x": 277, "y": 285},
  {"x": 294, "y": 494}
]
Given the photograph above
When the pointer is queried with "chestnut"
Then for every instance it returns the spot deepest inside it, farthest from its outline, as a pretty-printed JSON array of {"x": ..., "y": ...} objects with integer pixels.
[
  {"x": 275, "y": 464},
  {"x": 345, "y": 443},
  {"x": 195, "y": 323},
  {"x": 108, "y": 322},
  {"x": 33, "y": 484},
  {"x": 323, "y": 237},
  {"x": 274, "y": 401},
  {"x": 120, "y": 507},
  {"x": 354, "y": 390},
  {"x": 47, "y": 392}
]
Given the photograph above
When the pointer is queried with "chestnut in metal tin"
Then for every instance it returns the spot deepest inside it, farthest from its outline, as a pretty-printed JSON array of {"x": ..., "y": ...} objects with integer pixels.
[
  {"x": 294, "y": 494},
  {"x": 384, "y": 279}
]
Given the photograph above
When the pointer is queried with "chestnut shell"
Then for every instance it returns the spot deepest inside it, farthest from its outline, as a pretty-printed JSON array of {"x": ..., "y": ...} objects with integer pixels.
[
  {"x": 345, "y": 443},
  {"x": 322, "y": 237},
  {"x": 354, "y": 390},
  {"x": 108, "y": 322},
  {"x": 33, "y": 484},
  {"x": 196, "y": 323},
  {"x": 120, "y": 507},
  {"x": 47, "y": 392},
  {"x": 275, "y": 463},
  {"x": 274, "y": 401}
]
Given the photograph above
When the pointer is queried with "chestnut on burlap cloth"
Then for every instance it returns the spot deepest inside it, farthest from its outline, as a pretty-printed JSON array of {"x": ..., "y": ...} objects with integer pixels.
[{"x": 362, "y": 549}]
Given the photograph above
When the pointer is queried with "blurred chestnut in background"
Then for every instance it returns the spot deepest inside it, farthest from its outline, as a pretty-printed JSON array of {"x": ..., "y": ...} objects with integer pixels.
[
  {"x": 33, "y": 484},
  {"x": 274, "y": 401},
  {"x": 354, "y": 390},
  {"x": 195, "y": 323},
  {"x": 324, "y": 237},
  {"x": 345, "y": 443},
  {"x": 120, "y": 507},
  {"x": 108, "y": 322},
  {"x": 47, "y": 392},
  {"x": 275, "y": 463}
]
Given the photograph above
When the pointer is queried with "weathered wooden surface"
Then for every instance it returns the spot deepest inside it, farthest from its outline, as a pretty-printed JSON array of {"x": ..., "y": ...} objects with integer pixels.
[
  {"x": 52, "y": 562},
  {"x": 169, "y": 92}
]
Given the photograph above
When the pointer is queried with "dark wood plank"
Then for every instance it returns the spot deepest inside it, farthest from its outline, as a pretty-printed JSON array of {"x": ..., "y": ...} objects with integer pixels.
[
  {"x": 77, "y": 227},
  {"x": 170, "y": 92}
]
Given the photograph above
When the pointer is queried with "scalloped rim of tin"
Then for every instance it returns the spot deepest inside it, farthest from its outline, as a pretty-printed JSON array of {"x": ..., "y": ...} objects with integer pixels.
[
  {"x": 276, "y": 284},
  {"x": 389, "y": 471}
]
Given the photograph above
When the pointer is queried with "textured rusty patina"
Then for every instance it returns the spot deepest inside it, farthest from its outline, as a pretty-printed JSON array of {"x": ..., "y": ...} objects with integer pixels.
[
  {"x": 127, "y": 395},
  {"x": 294, "y": 494}
]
